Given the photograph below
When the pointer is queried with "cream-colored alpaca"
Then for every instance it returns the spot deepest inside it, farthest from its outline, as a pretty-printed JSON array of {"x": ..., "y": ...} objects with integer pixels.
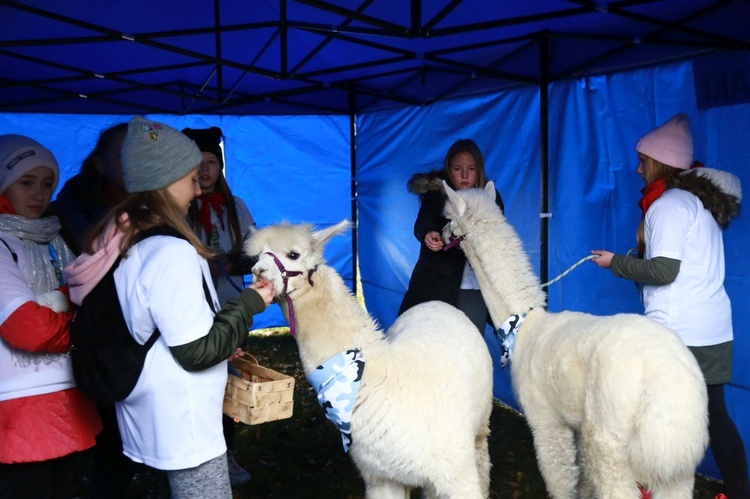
[
  {"x": 421, "y": 415},
  {"x": 611, "y": 401}
]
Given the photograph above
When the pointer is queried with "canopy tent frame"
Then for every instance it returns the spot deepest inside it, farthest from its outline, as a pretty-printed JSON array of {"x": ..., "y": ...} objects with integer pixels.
[
  {"x": 377, "y": 82},
  {"x": 217, "y": 93}
]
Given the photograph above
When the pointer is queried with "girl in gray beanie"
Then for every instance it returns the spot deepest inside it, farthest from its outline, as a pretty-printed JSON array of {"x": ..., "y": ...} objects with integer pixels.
[{"x": 171, "y": 420}]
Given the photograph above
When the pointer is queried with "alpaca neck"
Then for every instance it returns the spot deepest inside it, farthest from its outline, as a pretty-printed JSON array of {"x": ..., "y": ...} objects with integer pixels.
[
  {"x": 329, "y": 319},
  {"x": 506, "y": 277},
  {"x": 496, "y": 306}
]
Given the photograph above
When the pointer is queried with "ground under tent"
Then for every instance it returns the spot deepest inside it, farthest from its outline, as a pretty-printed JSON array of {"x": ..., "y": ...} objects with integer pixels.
[{"x": 298, "y": 169}]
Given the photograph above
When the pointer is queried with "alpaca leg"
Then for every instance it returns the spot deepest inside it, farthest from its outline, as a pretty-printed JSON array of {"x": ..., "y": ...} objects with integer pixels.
[
  {"x": 682, "y": 489},
  {"x": 607, "y": 468},
  {"x": 556, "y": 456},
  {"x": 428, "y": 492},
  {"x": 457, "y": 477},
  {"x": 483, "y": 460},
  {"x": 379, "y": 488},
  {"x": 586, "y": 488}
]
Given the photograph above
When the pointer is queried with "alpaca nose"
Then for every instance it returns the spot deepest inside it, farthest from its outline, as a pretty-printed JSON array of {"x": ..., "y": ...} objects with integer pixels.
[{"x": 258, "y": 269}]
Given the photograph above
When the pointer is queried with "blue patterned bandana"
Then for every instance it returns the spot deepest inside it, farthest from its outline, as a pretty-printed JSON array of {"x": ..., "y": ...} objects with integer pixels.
[
  {"x": 506, "y": 336},
  {"x": 336, "y": 382}
]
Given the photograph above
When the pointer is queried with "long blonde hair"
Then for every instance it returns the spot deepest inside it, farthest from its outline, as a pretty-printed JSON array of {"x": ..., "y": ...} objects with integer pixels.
[{"x": 145, "y": 210}]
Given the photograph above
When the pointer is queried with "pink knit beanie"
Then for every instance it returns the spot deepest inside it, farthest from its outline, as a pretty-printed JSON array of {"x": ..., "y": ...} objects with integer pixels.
[{"x": 671, "y": 143}]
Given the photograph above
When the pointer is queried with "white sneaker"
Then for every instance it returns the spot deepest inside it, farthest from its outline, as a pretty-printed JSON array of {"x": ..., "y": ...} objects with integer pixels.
[{"x": 237, "y": 474}]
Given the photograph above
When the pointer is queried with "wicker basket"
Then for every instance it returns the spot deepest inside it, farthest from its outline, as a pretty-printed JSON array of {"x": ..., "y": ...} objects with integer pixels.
[{"x": 260, "y": 395}]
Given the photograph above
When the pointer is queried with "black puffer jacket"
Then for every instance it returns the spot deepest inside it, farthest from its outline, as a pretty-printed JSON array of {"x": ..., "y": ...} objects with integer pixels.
[{"x": 437, "y": 274}]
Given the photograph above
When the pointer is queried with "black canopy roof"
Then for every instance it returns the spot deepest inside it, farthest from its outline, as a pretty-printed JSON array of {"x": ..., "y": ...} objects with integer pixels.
[{"x": 331, "y": 57}]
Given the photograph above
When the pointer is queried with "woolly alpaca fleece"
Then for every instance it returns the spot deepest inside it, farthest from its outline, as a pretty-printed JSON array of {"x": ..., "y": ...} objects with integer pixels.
[
  {"x": 421, "y": 416},
  {"x": 611, "y": 401}
]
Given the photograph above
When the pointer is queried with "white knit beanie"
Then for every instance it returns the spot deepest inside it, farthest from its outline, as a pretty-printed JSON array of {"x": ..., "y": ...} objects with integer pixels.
[
  {"x": 670, "y": 144},
  {"x": 154, "y": 155},
  {"x": 19, "y": 155}
]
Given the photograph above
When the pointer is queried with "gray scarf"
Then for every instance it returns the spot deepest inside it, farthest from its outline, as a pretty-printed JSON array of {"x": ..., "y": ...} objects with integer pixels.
[{"x": 42, "y": 241}]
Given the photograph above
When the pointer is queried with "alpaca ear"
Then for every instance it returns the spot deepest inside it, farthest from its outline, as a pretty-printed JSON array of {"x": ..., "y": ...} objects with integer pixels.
[
  {"x": 248, "y": 240},
  {"x": 454, "y": 199},
  {"x": 251, "y": 230},
  {"x": 490, "y": 187},
  {"x": 322, "y": 236}
]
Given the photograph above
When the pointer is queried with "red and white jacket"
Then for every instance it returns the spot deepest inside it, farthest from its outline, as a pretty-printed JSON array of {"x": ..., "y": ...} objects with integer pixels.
[{"x": 42, "y": 415}]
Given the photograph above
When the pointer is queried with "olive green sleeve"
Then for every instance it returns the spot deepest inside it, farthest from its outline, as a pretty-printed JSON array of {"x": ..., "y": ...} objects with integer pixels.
[
  {"x": 228, "y": 332},
  {"x": 658, "y": 271}
]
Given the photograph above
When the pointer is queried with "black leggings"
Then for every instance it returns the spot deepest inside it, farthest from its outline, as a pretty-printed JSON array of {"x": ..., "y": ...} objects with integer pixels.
[
  {"x": 52, "y": 479},
  {"x": 726, "y": 445}
]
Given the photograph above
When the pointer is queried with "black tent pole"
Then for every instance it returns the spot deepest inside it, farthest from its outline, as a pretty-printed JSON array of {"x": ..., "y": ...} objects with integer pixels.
[
  {"x": 544, "y": 60},
  {"x": 353, "y": 189}
]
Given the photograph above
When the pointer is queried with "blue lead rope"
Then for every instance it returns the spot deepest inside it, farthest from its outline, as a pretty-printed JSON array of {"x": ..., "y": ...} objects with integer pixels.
[{"x": 336, "y": 382}]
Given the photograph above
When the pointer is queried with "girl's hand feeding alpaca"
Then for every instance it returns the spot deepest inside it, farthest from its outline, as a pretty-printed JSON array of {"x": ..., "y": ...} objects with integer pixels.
[{"x": 266, "y": 290}]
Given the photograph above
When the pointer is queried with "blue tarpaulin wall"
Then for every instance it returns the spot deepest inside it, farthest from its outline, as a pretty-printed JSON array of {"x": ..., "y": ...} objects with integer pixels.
[
  {"x": 297, "y": 169},
  {"x": 593, "y": 189}
]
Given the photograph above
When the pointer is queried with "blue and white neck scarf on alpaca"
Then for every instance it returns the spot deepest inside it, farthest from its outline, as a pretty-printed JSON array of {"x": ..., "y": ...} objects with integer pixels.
[
  {"x": 506, "y": 336},
  {"x": 336, "y": 382}
]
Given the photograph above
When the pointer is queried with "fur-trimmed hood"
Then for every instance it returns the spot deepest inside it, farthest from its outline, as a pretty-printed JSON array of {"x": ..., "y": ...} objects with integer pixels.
[
  {"x": 422, "y": 183},
  {"x": 719, "y": 191}
]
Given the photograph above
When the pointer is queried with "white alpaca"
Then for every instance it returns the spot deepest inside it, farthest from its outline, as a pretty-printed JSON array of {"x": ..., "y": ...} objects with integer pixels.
[
  {"x": 421, "y": 415},
  {"x": 611, "y": 401}
]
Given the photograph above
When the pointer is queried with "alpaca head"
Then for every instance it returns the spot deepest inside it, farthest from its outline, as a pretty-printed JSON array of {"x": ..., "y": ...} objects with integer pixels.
[
  {"x": 294, "y": 251},
  {"x": 494, "y": 250},
  {"x": 457, "y": 212}
]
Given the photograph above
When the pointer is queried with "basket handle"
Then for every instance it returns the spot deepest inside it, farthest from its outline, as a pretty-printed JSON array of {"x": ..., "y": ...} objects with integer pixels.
[{"x": 249, "y": 357}]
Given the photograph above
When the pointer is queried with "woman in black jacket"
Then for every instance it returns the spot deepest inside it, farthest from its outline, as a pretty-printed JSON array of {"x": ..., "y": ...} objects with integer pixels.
[{"x": 439, "y": 274}]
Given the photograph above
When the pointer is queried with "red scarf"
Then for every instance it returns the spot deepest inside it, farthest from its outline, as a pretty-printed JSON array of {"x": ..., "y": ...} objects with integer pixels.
[
  {"x": 5, "y": 207},
  {"x": 651, "y": 193},
  {"x": 215, "y": 201},
  {"x": 655, "y": 189}
]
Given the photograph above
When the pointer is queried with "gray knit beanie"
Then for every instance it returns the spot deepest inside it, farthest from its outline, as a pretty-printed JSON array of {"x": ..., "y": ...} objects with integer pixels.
[{"x": 155, "y": 155}]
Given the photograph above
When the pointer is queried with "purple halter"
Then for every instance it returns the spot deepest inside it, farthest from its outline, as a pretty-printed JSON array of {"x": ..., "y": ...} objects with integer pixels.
[
  {"x": 285, "y": 275},
  {"x": 454, "y": 241}
]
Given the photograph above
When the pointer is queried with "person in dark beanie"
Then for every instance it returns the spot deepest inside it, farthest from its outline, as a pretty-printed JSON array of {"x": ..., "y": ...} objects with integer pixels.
[
  {"x": 684, "y": 208},
  {"x": 221, "y": 220},
  {"x": 171, "y": 421},
  {"x": 45, "y": 421}
]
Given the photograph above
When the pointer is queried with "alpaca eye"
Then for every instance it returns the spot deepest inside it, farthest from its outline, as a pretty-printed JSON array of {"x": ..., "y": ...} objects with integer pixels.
[{"x": 293, "y": 255}]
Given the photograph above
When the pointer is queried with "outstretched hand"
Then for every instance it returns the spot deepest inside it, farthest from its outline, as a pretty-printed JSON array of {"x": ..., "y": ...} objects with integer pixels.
[
  {"x": 604, "y": 258},
  {"x": 433, "y": 240},
  {"x": 265, "y": 289}
]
